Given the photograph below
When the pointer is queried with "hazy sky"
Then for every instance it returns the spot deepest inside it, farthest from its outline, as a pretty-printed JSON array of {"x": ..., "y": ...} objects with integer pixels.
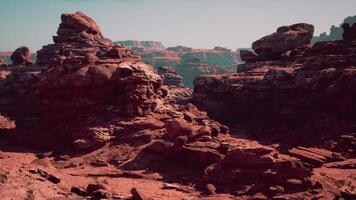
[{"x": 194, "y": 23}]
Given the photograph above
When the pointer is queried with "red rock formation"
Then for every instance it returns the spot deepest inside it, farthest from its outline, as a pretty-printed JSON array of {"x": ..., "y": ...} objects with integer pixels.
[
  {"x": 21, "y": 56},
  {"x": 349, "y": 32},
  {"x": 87, "y": 94},
  {"x": 302, "y": 100},
  {"x": 287, "y": 38}
]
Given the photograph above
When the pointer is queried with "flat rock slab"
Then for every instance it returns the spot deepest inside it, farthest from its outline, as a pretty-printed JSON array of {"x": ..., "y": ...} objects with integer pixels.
[{"x": 315, "y": 156}]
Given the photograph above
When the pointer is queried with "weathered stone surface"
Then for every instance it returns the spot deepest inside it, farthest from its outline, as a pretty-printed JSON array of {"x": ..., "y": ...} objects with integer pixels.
[
  {"x": 287, "y": 38},
  {"x": 249, "y": 56},
  {"x": 349, "y": 32},
  {"x": 85, "y": 94},
  {"x": 178, "y": 127},
  {"x": 21, "y": 56},
  {"x": 170, "y": 77},
  {"x": 288, "y": 100},
  {"x": 6, "y": 123}
]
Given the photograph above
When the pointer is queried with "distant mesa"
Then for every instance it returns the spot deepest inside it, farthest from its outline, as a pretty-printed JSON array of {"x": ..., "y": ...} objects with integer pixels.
[
  {"x": 148, "y": 45},
  {"x": 216, "y": 60}
]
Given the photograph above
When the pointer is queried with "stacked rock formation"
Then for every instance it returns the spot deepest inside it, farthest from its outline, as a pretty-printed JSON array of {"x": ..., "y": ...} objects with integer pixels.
[
  {"x": 21, "y": 56},
  {"x": 87, "y": 76},
  {"x": 79, "y": 42}
]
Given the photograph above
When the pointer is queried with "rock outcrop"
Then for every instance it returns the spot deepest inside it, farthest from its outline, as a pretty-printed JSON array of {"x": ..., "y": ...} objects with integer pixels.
[
  {"x": 170, "y": 77},
  {"x": 287, "y": 38},
  {"x": 87, "y": 76},
  {"x": 21, "y": 56},
  {"x": 349, "y": 32},
  {"x": 298, "y": 100}
]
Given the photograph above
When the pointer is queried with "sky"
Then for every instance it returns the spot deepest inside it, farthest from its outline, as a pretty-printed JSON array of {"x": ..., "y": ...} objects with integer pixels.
[{"x": 194, "y": 23}]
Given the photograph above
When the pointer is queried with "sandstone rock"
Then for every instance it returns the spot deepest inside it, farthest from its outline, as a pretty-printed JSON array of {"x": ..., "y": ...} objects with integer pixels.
[
  {"x": 162, "y": 147},
  {"x": 21, "y": 56},
  {"x": 201, "y": 153},
  {"x": 46, "y": 175},
  {"x": 286, "y": 38},
  {"x": 6, "y": 123},
  {"x": 137, "y": 195},
  {"x": 94, "y": 187},
  {"x": 313, "y": 155},
  {"x": 249, "y": 56},
  {"x": 81, "y": 61},
  {"x": 249, "y": 157},
  {"x": 78, "y": 22},
  {"x": 177, "y": 127},
  {"x": 90, "y": 93},
  {"x": 77, "y": 36},
  {"x": 170, "y": 77},
  {"x": 101, "y": 194},
  {"x": 275, "y": 98},
  {"x": 349, "y": 32},
  {"x": 277, "y": 189},
  {"x": 78, "y": 191},
  {"x": 210, "y": 188}
]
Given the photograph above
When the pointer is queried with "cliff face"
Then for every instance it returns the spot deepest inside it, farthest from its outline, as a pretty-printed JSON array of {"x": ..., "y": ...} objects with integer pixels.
[{"x": 304, "y": 98}]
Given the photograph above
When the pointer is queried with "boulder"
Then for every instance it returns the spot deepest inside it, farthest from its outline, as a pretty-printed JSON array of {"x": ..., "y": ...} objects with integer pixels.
[
  {"x": 78, "y": 22},
  {"x": 177, "y": 127},
  {"x": 297, "y": 36},
  {"x": 21, "y": 56},
  {"x": 249, "y": 56}
]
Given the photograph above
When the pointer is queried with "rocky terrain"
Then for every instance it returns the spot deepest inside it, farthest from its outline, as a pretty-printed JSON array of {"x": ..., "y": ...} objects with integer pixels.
[
  {"x": 91, "y": 120},
  {"x": 290, "y": 93},
  {"x": 187, "y": 62}
]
